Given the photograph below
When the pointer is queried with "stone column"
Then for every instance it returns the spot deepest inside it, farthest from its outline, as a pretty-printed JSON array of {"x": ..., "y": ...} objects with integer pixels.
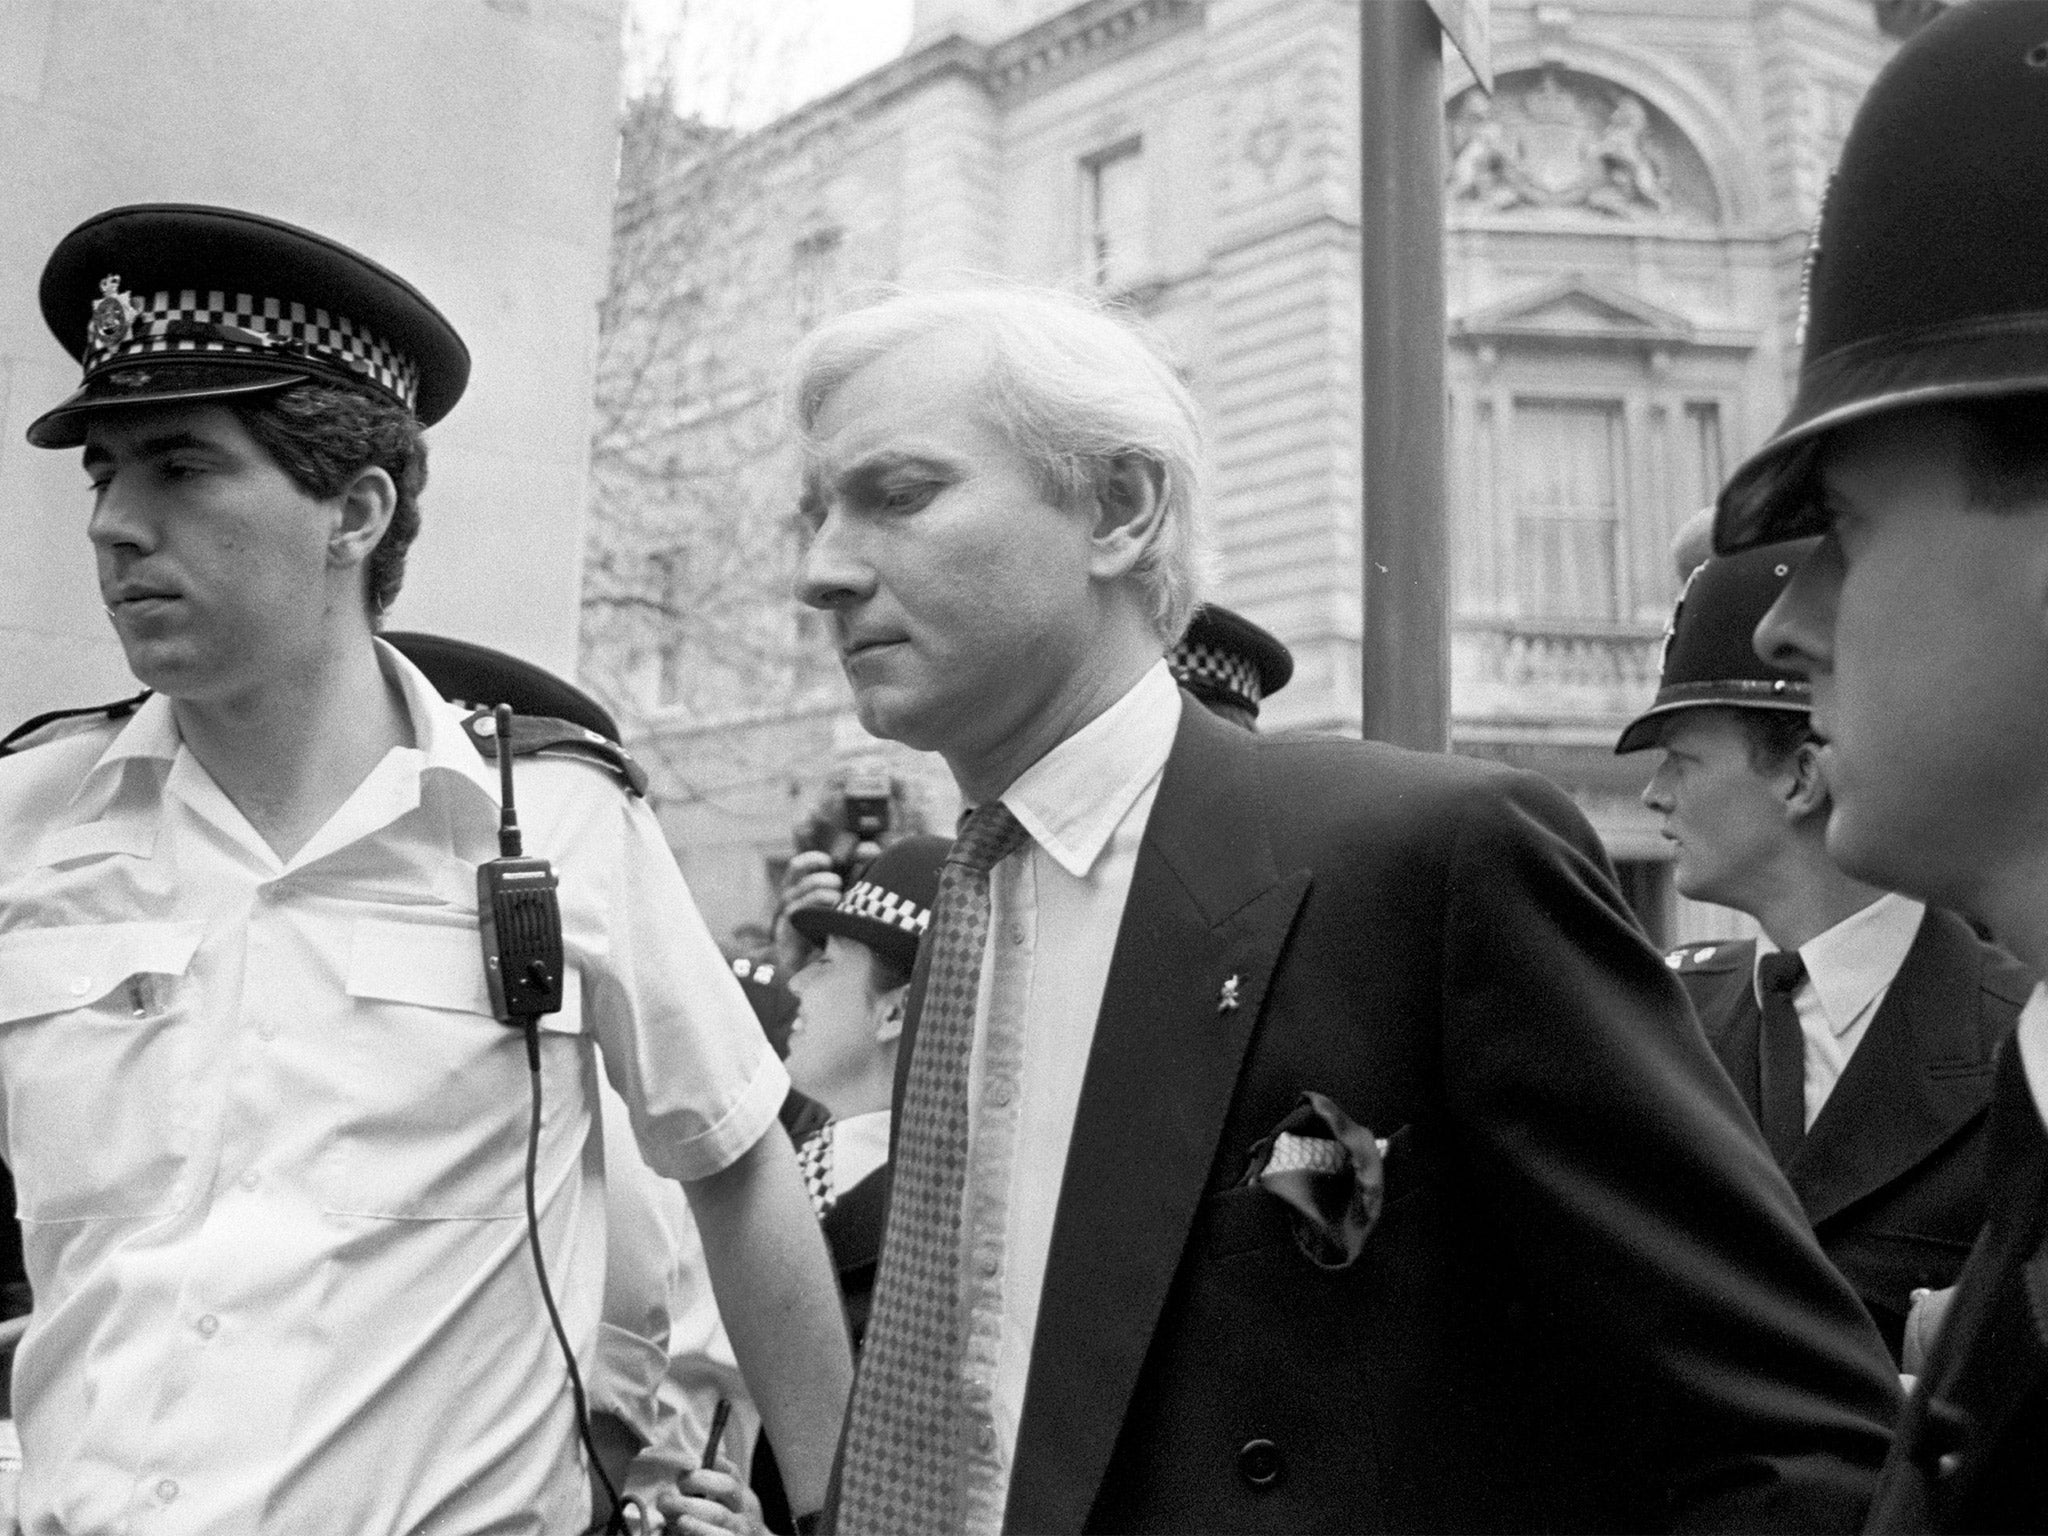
[{"x": 1284, "y": 359}]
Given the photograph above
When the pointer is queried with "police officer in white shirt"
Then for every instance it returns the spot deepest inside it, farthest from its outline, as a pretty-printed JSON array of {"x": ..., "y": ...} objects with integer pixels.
[
  {"x": 269, "y": 1138},
  {"x": 1861, "y": 1031}
]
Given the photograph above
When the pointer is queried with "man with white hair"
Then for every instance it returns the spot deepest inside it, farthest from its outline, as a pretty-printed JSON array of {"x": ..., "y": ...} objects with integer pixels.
[{"x": 1292, "y": 1134}]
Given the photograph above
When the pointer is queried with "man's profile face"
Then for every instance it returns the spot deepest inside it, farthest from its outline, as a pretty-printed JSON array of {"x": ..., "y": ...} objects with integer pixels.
[
  {"x": 212, "y": 563},
  {"x": 1920, "y": 621},
  {"x": 959, "y": 596},
  {"x": 1724, "y": 819}
]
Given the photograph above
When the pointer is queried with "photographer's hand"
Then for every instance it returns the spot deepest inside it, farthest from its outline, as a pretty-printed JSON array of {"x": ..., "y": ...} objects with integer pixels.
[{"x": 810, "y": 881}]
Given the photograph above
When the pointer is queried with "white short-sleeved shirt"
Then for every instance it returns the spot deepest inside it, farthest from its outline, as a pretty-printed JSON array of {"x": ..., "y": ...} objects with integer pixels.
[
  {"x": 663, "y": 1358},
  {"x": 269, "y": 1142}
]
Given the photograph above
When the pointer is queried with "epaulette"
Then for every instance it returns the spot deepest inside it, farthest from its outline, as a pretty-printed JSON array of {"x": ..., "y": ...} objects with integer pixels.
[
  {"x": 1720, "y": 955},
  {"x": 44, "y": 727},
  {"x": 541, "y": 736}
]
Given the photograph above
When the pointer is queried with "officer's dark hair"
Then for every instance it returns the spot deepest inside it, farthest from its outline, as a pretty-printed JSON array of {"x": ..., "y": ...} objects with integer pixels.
[
  {"x": 1773, "y": 736},
  {"x": 322, "y": 436},
  {"x": 884, "y": 974},
  {"x": 2005, "y": 450}
]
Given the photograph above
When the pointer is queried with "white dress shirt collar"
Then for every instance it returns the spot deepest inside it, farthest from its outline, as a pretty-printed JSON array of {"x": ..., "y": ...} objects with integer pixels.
[
  {"x": 2032, "y": 1042},
  {"x": 1072, "y": 799},
  {"x": 1852, "y": 963},
  {"x": 391, "y": 789}
]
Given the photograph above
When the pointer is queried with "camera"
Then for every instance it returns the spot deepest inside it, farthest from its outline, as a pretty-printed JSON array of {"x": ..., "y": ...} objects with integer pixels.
[{"x": 850, "y": 827}]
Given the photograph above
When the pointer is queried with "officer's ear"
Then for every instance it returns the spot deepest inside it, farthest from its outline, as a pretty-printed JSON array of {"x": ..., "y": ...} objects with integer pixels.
[
  {"x": 363, "y": 511},
  {"x": 1806, "y": 783},
  {"x": 887, "y": 1012},
  {"x": 1130, "y": 503}
]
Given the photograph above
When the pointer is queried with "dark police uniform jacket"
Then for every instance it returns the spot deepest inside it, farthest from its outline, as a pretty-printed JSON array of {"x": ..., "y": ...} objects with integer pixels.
[
  {"x": 1590, "y": 1301},
  {"x": 1972, "y": 1451},
  {"x": 1892, "y": 1173}
]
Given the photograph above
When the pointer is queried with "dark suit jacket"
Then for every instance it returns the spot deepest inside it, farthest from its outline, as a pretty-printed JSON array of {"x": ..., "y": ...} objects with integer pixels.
[
  {"x": 1591, "y": 1301},
  {"x": 853, "y": 1233},
  {"x": 1892, "y": 1173},
  {"x": 1972, "y": 1452}
]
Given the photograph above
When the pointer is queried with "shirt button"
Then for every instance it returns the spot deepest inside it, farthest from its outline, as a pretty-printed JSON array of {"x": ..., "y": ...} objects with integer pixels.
[
  {"x": 167, "y": 1490},
  {"x": 1000, "y": 1093},
  {"x": 209, "y": 1325},
  {"x": 1016, "y": 933},
  {"x": 989, "y": 1265},
  {"x": 250, "y": 1179},
  {"x": 985, "y": 1437},
  {"x": 80, "y": 985}
]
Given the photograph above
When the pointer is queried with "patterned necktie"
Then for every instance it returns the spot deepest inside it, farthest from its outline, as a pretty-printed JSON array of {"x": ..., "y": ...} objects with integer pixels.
[
  {"x": 1781, "y": 1056},
  {"x": 901, "y": 1468}
]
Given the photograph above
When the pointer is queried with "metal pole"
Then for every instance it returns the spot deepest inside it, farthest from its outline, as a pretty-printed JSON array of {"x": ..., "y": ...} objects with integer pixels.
[{"x": 1404, "y": 668}]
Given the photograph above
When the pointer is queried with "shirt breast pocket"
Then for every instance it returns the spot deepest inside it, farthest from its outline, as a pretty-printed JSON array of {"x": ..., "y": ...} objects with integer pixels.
[
  {"x": 435, "y": 1087},
  {"x": 96, "y": 1052}
]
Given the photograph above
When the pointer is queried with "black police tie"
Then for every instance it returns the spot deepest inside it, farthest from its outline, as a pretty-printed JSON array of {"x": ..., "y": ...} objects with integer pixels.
[{"x": 1781, "y": 1059}]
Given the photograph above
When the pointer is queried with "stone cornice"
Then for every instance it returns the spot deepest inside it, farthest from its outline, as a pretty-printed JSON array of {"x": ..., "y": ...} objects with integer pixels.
[
  {"x": 1055, "y": 47},
  {"x": 1049, "y": 50}
]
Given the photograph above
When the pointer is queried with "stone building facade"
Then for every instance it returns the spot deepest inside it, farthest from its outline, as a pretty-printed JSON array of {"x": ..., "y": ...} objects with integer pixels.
[{"x": 1627, "y": 216}]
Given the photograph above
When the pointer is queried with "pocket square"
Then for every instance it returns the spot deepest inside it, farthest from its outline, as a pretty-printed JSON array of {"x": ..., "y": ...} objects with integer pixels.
[{"x": 1329, "y": 1169}]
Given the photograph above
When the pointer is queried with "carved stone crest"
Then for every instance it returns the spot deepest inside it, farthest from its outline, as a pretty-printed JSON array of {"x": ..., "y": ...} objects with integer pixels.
[{"x": 1557, "y": 146}]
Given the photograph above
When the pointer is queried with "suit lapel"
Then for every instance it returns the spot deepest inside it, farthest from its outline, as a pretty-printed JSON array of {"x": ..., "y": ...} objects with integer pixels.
[
  {"x": 1910, "y": 1086},
  {"x": 1726, "y": 1001},
  {"x": 1206, "y": 904}
]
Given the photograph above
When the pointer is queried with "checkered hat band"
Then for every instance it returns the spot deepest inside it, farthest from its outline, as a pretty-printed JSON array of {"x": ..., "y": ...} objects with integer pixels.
[
  {"x": 1220, "y": 669},
  {"x": 181, "y": 323},
  {"x": 881, "y": 905}
]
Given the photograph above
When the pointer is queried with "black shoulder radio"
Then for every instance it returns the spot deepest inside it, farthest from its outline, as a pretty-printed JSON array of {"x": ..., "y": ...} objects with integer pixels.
[{"x": 519, "y": 917}]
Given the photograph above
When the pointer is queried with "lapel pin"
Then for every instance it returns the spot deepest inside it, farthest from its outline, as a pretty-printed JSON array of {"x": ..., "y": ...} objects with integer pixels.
[{"x": 1226, "y": 1000}]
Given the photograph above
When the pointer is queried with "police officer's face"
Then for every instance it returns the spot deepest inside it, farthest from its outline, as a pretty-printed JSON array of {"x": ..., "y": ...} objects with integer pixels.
[
  {"x": 1726, "y": 821},
  {"x": 212, "y": 563},
  {"x": 1922, "y": 622},
  {"x": 841, "y": 1017},
  {"x": 960, "y": 597}
]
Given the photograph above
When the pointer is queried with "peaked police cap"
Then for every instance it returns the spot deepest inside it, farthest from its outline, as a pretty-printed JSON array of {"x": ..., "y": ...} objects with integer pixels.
[
  {"x": 171, "y": 303},
  {"x": 1925, "y": 280},
  {"x": 890, "y": 906},
  {"x": 1709, "y": 657},
  {"x": 1225, "y": 658}
]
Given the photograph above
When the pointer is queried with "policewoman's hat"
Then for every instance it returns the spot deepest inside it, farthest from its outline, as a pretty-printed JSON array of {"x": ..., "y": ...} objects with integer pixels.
[
  {"x": 890, "y": 906},
  {"x": 1925, "y": 279},
  {"x": 1225, "y": 659},
  {"x": 170, "y": 303},
  {"x": 1708, "y": 656}
]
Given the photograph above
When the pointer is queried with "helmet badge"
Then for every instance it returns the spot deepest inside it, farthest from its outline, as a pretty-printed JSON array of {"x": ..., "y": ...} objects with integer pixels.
[{"x": 112, "y": 314}]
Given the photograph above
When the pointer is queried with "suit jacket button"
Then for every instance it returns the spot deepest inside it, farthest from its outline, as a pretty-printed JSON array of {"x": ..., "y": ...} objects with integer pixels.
[
  {"x": 1259, "y": 1463},
  {"x": 1936, "y": 1442}
]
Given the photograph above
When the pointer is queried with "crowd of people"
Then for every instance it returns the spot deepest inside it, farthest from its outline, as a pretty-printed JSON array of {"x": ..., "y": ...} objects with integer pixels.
[{"x": 1225, "y": 1130}]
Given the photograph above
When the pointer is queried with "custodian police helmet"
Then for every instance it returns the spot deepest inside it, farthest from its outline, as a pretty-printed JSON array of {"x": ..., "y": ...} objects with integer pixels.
[
  {"x": 1708, "y": 658},
  {"x": 1925, "y": 280},
  {"x": 169, "y": 303}
]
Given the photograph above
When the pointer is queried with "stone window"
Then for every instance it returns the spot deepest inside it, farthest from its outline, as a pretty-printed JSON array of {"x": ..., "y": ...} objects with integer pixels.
[
  {"x": 1568, "y": 469},
  {"x": 814, "y": 273},
  {"x": 1114, "y": 214}
]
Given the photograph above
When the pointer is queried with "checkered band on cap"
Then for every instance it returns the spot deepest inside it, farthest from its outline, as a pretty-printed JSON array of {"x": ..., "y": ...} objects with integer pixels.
[
  {"x": 881, "y": 905},
  {"x": 190, "y": 322},
  {"x": 1199, "y": 663}
]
